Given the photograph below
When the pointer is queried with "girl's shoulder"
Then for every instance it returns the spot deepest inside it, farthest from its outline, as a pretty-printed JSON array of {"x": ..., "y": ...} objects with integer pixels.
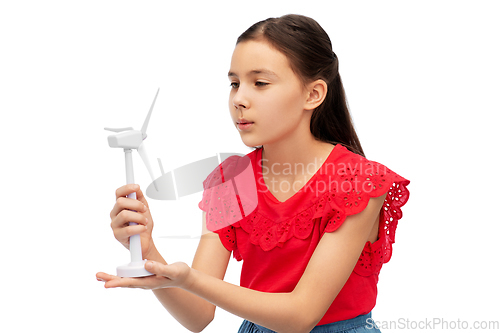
[
  {"x": 352, "y": 179},
  {"x": 346, "y": 183}
]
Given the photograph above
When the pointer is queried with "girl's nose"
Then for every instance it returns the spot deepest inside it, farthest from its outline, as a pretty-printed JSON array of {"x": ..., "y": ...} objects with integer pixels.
[
  {"x": 239, "y": 106},
  {"x": 240, "y": 100}
]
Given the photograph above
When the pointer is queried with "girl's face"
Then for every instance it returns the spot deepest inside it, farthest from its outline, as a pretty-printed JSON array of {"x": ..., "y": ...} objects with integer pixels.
[{"x": 267, "y": 99}]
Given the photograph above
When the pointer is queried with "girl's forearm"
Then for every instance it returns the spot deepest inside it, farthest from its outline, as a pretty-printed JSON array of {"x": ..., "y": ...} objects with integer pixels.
[
  {"x": 191, "y": 311},
  {"x": 281, "y": 312}
]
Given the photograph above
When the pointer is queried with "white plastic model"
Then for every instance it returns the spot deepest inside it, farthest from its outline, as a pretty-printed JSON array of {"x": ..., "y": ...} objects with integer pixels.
[{"x": 128, "y": 139}]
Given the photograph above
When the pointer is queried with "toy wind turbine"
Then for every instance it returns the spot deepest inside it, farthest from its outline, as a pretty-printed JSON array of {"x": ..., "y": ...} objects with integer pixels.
[{"x": 128, "y": 139}]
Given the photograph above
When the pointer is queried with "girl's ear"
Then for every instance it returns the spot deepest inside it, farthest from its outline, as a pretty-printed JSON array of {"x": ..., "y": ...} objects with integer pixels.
[{"x": 316, "y": 94}]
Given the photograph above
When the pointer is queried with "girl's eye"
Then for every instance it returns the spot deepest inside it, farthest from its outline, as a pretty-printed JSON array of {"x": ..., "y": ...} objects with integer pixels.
[
  {"x": 261, "y": 84},
  {"x": 234, "y": 85}
]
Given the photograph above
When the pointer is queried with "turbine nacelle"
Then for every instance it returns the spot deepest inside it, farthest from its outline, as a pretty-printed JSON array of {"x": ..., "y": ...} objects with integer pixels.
[{"x": 126, "y": 140}]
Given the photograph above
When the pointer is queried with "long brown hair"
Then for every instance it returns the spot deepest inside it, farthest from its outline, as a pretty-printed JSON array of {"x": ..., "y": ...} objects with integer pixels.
[{"x": 309, "y": 49}]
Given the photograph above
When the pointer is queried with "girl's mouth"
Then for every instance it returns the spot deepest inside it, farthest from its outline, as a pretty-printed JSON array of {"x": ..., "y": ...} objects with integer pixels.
[{"x": 244, "y": 125}]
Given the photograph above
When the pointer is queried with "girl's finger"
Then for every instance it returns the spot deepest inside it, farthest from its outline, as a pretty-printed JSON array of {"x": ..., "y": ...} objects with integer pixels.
[
  {"x": 126, "y": 216},
  {"x": 149, "y": 282},
  {"x": 152, "y": 267},
  {"x": 126, "y": 190},
  {"x": 171, "y": 272},
  {"x": 123, "y": 234},
  {"x": 123, "y": 203},
  {"x": 113, "y": 281},
  {"x": 103, "y": 277},
  {"x": 157, "y": 268},
  {"x": 141, "y": 197},
  {"x": 121, "y": 283}
]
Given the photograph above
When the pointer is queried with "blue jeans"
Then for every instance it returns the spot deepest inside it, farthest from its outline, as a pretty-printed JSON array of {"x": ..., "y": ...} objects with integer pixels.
[{"x": 359, "y": 324}]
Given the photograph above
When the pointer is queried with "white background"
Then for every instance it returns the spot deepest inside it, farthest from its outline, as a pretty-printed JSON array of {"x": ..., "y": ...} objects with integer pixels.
[{"x": 422, "y": 80}]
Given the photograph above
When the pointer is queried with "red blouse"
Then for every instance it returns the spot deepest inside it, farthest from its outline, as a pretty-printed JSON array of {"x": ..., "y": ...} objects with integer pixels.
[{"x": 276, "y": 239}]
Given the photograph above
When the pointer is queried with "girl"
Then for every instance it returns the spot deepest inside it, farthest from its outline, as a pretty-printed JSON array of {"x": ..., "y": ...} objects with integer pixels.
[{"x": 313, "y": 247}]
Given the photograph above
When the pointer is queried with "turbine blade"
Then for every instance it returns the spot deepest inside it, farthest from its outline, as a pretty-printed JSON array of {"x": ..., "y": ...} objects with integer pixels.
[
  {"x": 117, "y": 130},
  {"x": 146, "y": 122},
  {"x": 161, "y": 166}
]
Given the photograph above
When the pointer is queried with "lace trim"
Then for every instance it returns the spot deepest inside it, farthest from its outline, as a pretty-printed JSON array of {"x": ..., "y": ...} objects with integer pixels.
[
  {"x": 268, "y": 234},
  {"x": 374, "y": 255}
]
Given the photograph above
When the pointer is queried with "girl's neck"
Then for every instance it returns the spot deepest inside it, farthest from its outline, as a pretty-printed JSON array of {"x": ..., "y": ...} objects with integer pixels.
[{"x": 307, "y": 155}]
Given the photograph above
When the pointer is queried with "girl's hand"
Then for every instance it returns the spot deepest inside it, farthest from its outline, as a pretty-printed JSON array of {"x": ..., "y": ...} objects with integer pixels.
[
  {"x": 128, "y": 210},
  {"x": 166, "y": 276}
]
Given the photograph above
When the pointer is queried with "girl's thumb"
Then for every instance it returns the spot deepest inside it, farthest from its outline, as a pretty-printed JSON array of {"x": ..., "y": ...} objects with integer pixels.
[{"x": 152, "y": 267}]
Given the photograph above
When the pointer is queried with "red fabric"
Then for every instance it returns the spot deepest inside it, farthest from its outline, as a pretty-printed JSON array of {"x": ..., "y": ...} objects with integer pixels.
[{"x": 276, "y": 239}]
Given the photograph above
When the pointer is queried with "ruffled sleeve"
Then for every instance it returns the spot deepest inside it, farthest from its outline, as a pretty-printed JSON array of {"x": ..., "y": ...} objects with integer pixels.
[
  {"x": 359, "y": 180},
  {"x": 229, "y": 195}
]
